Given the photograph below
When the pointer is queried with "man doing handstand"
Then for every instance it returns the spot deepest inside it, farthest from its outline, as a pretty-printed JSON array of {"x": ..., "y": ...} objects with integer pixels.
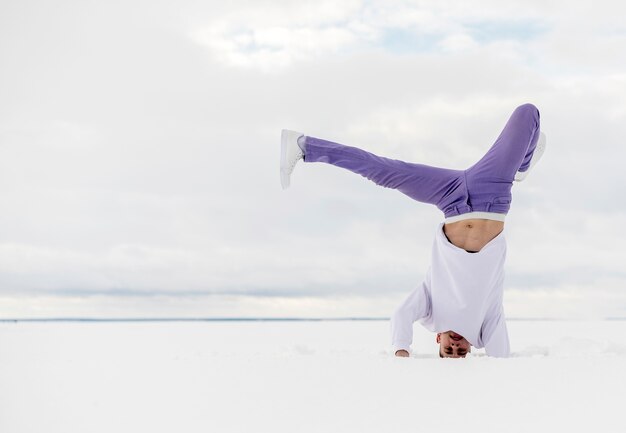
[{"x": 460, "y": 298}]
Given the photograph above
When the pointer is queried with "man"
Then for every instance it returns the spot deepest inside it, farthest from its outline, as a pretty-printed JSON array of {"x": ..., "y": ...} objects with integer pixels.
[{"x": 461, "y": 297}]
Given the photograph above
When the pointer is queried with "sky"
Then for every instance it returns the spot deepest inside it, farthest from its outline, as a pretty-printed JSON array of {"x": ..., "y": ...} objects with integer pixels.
[{"x": 139, "y": 153}]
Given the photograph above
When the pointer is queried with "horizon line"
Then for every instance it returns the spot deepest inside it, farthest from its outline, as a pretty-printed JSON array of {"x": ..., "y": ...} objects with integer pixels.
[{"x": 259, "y": 319}]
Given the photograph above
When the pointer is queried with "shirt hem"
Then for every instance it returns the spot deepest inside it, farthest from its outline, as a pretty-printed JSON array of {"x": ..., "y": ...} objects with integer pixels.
[{"x": 476, "y": 215}]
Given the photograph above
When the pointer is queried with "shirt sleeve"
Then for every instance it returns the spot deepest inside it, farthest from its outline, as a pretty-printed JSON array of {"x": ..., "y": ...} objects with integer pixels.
[
  {"x": 496, "y": 336},
  {"x": 415, "y": 307}
]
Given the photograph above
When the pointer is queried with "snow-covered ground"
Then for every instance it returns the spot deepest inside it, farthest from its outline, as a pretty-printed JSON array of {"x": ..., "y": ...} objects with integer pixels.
[{"x": 305, "y": 377}]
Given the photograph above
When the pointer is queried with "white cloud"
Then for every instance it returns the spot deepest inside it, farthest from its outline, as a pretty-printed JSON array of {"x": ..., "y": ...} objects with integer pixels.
[
  {"x": 271, "y": 38},
  {"x": 458, "y": 42},
  {"x": 273, "y": 47}
]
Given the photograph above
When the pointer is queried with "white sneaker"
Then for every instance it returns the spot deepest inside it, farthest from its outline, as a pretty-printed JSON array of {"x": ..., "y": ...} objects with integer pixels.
[
  {"x": 290, "y": 154},
  {"x": 537, "y": 154}
]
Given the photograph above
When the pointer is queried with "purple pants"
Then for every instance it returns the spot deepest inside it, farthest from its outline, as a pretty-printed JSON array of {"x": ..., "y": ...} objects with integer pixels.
[{"x": 483, "y": 187}]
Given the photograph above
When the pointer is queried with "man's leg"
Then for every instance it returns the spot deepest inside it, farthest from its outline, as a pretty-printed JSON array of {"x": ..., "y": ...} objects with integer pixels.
[
  {"x": 513, "y": 149},
  {"x": 489, "y": 181},
  {"x": 423, "y": 183}
]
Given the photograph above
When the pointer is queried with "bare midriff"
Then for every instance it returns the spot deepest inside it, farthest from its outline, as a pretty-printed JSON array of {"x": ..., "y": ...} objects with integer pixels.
[{"x": 472, "y": 234}]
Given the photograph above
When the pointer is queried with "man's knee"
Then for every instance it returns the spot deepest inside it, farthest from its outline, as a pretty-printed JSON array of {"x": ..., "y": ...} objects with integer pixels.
[{"x": 528, "y": 109}]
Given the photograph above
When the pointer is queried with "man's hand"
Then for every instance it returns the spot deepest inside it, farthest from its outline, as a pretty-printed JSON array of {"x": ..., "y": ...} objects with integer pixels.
[{"x": 402, "y": 353}]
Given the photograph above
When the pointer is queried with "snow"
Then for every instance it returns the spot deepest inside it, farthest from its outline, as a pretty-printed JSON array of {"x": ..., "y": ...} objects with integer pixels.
[{"x": 336, "y": 376}]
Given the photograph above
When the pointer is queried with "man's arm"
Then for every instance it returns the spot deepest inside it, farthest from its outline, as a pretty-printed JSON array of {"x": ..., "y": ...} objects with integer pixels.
[
  {"x": 495, "y": 336},
  {"x": 415, "y": 307}
]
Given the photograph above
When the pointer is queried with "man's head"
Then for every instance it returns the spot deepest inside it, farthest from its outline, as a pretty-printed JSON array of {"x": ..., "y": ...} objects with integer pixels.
[{"x": 452, "y": 345}]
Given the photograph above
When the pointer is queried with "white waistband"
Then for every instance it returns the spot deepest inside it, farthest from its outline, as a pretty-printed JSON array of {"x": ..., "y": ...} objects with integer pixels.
[{"x": 476, "y": 215}]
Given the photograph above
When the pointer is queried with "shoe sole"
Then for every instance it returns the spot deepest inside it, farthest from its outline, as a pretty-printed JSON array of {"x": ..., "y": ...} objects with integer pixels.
[{"x": 286, "y": 137}]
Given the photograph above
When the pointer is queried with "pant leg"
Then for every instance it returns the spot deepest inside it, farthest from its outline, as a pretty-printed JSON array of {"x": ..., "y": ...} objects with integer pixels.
[
  {"x": 489, "y": 181},
  {"x": 439, "y": 186}
]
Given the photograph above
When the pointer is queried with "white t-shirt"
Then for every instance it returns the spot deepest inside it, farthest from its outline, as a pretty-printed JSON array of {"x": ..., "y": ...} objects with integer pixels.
[{"x": 462, "y": 292}]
